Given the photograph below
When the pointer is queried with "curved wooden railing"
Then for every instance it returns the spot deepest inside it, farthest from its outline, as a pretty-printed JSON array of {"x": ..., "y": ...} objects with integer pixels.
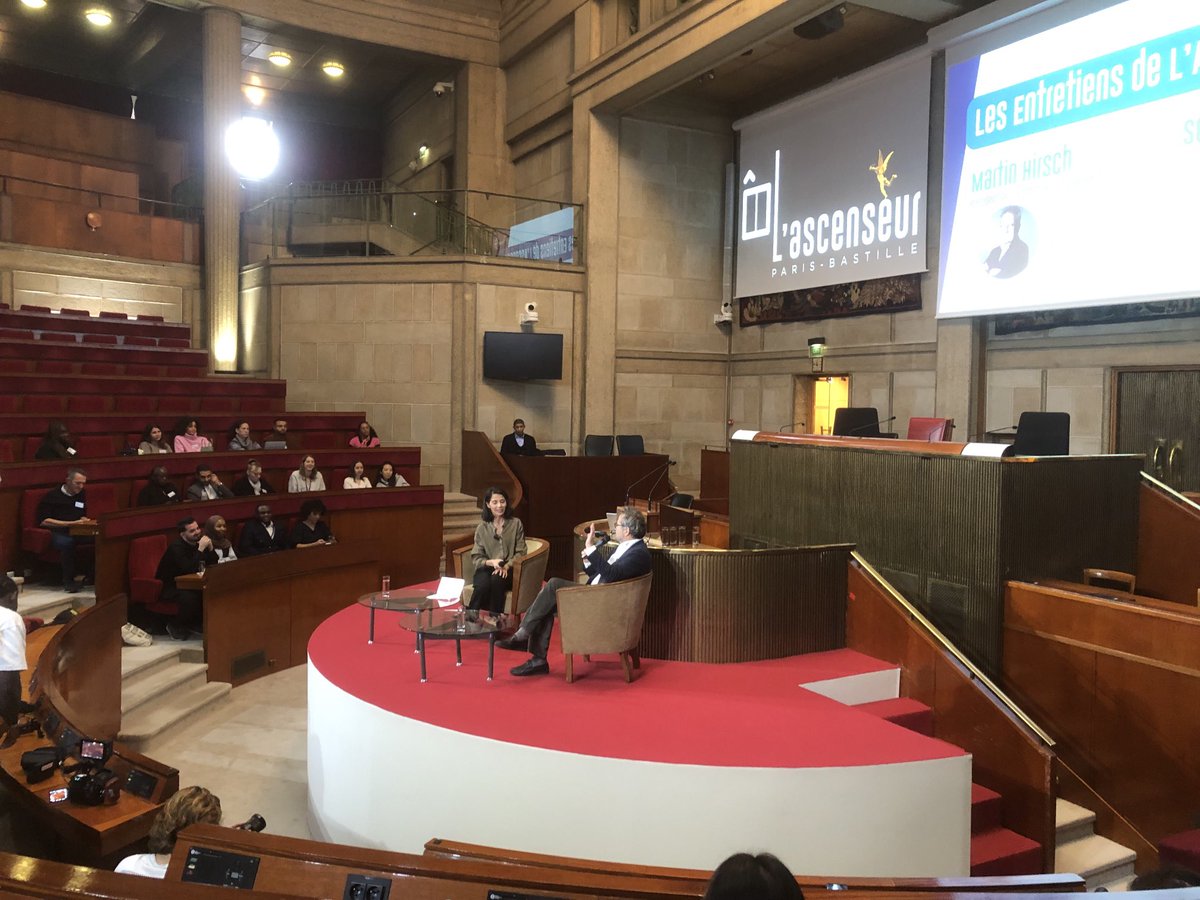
[
  {"x": 1168, "y": 565},
  {"x": 484, "y": 467}
]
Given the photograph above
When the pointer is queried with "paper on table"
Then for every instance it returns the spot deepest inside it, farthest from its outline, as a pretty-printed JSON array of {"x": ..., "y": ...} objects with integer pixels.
[{"x": 449, "y": 591}]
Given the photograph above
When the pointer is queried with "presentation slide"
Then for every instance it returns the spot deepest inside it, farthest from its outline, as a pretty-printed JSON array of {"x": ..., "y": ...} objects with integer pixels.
[
  {"x": 1071, "y": 160},
  {"x": 832, "y": 185}
]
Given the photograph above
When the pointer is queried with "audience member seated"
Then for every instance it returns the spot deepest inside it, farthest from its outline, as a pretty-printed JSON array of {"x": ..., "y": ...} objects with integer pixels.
[
  {"x": 252, "y": 484},
  {"x": 158, "y": 489},
  {"x": 631, "y": 559},
  {"x": 357, "y": 478},
  {"x": 187, "y": 806},
  {"x": 239, "y": 438},
  {"x": 389, "y": 477},
  {"x": 762, "y": 877},
  {"x": 306, "y": 478},
  {"x": 499, "y": 539},
  {"x": 261, "y": 535},
  {"x": 57, "y": 511},
  {"x": 310, "y": 531},
  {"x": 277, "y": 437},
  {"x": 207, "y": 486},
  {"x": 366, "y": 437},
  {"x": 57, "y": 444},
  {"x": 184, "y": 556},
  {"x": 12, "y": 653},
  {"x": 519, "y": 443},
  {"x": 153, "y": 441},
  {"x": 217, "y": 531},
  {"x": 188, "y": 438}
]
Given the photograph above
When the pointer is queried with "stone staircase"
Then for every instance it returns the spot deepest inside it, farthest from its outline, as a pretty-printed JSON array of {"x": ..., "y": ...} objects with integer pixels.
[
  {"x": 162, "y": 686},
  {"x": 1100, "y": 861},
  {"x": 44, "y": 602},
  {"x": 460, "y": 514}
]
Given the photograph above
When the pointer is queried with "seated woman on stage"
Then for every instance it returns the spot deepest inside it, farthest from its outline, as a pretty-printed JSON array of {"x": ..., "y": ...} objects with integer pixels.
[
  {"x": 153, "y": 441},
  {"x": 188, "y": 806},
  {"x": 239, "y": 437},
  {"x": 306, "y": 478},
  {"x": 357, "y": 477},
  {"x": 188, "y": 438},
  {"x": 366, "y": 437},
  {"x": 218, "y": 533},
  {"x": 57, "y": 444},
  {"x": 389, "y": 477},
  {"x": 499, "y": 539},
  {"x": 309, "y": 530}
]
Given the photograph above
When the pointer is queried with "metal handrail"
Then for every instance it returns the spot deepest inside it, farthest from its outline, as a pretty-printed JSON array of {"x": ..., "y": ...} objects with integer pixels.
[
  {"x": 195, "y": 211},
  {"x": 950, "y": 648},
  {"x": 1171, "y": 492}
]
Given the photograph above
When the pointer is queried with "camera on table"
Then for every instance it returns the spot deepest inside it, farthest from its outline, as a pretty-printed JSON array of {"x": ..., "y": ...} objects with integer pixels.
[
  {"x": 94, "y": 787},
  {"x": 255, "y": 823}
]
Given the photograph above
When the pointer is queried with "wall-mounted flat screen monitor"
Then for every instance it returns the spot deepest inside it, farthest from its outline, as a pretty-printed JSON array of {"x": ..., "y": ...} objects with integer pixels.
[{"x": 522, "y": 356}]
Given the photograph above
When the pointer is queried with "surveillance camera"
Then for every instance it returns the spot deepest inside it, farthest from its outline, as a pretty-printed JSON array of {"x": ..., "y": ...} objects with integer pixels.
[
  {"x": 529, "y": 313},
  {"x": 725, "y": 315},
  {"x": 442, "y": 88}
]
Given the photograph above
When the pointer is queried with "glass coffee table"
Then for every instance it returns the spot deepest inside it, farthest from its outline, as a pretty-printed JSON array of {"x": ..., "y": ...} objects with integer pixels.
[
  {"x": 434, "y": 624},
  {"x": 405, "y": 600}
]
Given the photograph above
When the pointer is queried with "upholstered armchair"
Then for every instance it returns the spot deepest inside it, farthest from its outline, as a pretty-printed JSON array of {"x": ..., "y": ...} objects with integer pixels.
[
  {"x": 603, "y": 618},
  {"x": 528, "y": 572}
]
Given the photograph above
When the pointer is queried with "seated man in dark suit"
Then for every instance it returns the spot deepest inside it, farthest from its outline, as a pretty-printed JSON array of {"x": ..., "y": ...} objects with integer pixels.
[
  {"x": 184, "y": 556},
  {"x": 519, "y": 443},
  {"x": 261, "y": 535},
  {"x": 57, "y": 511},
  {"x": 207, "y": 486},
  {"x": 158, "y": 489},
  {"x": 631, "y": 559},
  {"x": 252, "y": 484}
]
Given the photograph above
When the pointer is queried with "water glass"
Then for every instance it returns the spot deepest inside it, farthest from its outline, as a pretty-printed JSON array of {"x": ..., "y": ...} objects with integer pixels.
[{"x": 386, "y": 590}]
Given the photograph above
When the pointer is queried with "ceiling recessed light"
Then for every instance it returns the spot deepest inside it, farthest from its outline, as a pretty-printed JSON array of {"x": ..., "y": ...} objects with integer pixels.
[
  {"x": 423, "y": 149},
  {"x": 99, "y": 16},
  {"x": 333, "y": 68},
  {"x": 280, "y": 58},
  {"x": 34, "y": 4}
]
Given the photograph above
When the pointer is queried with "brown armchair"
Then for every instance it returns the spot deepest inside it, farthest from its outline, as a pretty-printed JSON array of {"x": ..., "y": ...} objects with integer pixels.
[
  {"x": 528, "y": 572},
  {"x": 603, "y": 618}
]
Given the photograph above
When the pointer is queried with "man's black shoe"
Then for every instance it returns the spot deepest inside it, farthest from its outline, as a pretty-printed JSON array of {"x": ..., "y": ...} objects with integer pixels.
[
  {"x": 517, "y": 642},
  {"x": 72, "y": 587},
  {"x": 178, "y": 632},
  {"x": 532, "y": 666}
]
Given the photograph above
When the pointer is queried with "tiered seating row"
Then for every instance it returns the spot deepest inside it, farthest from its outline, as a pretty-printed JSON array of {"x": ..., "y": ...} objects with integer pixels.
[
  {"x": 59, "y": 357},
  {"x": 80, "y": 322}
]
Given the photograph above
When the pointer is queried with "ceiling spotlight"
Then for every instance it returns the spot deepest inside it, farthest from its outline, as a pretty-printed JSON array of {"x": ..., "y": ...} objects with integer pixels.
[
  {"x": 822, "y": 24},
  {"x": 35, "y": 4},
  {"x": 98, "y": 16},
  {"x": 423, "y": 149},
  {"x": 333, "y": 68},
  {"x": 254, "y": 94},
  {"x": 252, "y": 147},
  {"x": 280, "y": 58}
]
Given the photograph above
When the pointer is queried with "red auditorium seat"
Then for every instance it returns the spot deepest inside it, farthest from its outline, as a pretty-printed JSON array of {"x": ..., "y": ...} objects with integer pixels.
[
  {"x": 31, "y": 445},
  {"x": 91, "y": 446},
  {"x": 258, "y": 405},
  {"x": 8, "y": 403},
  {"x": 6, "y": 452},
  {"x": 113, "y": 314},
  {"x": 89, "y": 403},
  {"x": 137, "y": 340},
  {"x": 16, "y": 365},
  {"x": 99, "y": 368},
  {"x": 136, "y": 403},
  {"x": 62, "y": 336},
  {"x": 140, "y": 369},
  {"x": 25, "y": 307},
  {"x": 74, "y": 312},
  {"x": 183, "y": 343},
  {"x": 17, "y": 334},
  {"x": 921, "y": 428},
  {"x": 144, "y": 588},
  {"x": 184, "y": 372},
  {"x": 56, "y": 367},
  {"x": 49, "y": 404},
  {"x": 144, "y": 318},
  {"x": 101, "y": 498},
  {"x": 99, "y": 338}
]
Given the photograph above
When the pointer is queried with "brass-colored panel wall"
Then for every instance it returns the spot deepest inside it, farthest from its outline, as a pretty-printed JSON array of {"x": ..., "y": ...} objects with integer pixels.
[
  {"x": 734, "y": 606},
  {"x": 946, "y": 530}
]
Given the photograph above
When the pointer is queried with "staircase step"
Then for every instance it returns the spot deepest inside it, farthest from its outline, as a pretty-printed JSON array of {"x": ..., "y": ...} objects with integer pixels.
[
  {"x": 182, "y": 677},
  {"x": 1096, "y": 859},
  {"x": 999, "y": 851},
  {"x": 144, "y": 661},
  {"x": 1072, "y": 822},
  {"x": 987, "y": 809},
  {"x": 903, "y": 711},
  {"x": 42, "y": 602},
  {"x": 144, "y": 725}
]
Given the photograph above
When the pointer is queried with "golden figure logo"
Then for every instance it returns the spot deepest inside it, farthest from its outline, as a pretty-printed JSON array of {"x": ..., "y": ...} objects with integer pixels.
[{"x": 880, "y": 170}]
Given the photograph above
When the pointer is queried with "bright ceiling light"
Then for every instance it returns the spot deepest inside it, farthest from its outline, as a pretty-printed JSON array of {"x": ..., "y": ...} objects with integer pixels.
[
  {"x": 254, "y": 94},
  {"x": 99, "y": 16},
  {"x": 35, "y": 4},
  {"x": 423, "y": 149},
  {"x": 333, "y": 68},
  {"x": 252, "y": 147},
  {"x": 280, "y": 58}
]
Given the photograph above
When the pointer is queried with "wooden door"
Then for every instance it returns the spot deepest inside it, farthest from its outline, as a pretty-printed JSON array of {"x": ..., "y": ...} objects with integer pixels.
[{"x": 1157, "y": 412}]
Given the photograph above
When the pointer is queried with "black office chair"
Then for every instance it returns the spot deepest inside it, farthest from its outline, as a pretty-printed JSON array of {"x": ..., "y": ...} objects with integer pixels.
[
  {"x": 856, "y": 421},
  {"x": 1042, "y": 434},
  {"x": 598, "y": 445},
  {"x": 630, "y": 445}
]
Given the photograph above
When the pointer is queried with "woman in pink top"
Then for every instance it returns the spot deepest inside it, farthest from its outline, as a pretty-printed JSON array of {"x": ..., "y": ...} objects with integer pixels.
[
  {"x": 365, "y": 438},
  {"x": 188, "y": 438}
]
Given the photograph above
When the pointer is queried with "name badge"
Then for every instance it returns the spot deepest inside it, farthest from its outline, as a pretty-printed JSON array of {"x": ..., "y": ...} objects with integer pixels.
[
  {"x": 79, "y": 504},
  {"x": 170, "y": 493},
  {"x": 71, "y": 450}
]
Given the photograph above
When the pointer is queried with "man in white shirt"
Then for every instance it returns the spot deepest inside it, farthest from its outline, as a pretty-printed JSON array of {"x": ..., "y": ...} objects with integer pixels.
[
  {"x": 207, "y": 485},
  {"x": 631, "y": 559},
  {"x": 252, "y": 484},
  {"x": 12, "y": 653}
]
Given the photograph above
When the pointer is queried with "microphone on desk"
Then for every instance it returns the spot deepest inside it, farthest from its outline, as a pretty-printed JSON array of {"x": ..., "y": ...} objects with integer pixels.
[
  {"x": 983, "y": 434},
  {"x": 869, "y": 425},
  {"x": 664, "y": 467},
  {"x": 793, "y": 425}
]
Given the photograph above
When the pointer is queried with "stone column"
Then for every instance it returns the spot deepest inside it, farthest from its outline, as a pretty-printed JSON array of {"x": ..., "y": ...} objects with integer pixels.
[
  {"x": 481, "y": 160},
  {"x": 222, "y": 106}
]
